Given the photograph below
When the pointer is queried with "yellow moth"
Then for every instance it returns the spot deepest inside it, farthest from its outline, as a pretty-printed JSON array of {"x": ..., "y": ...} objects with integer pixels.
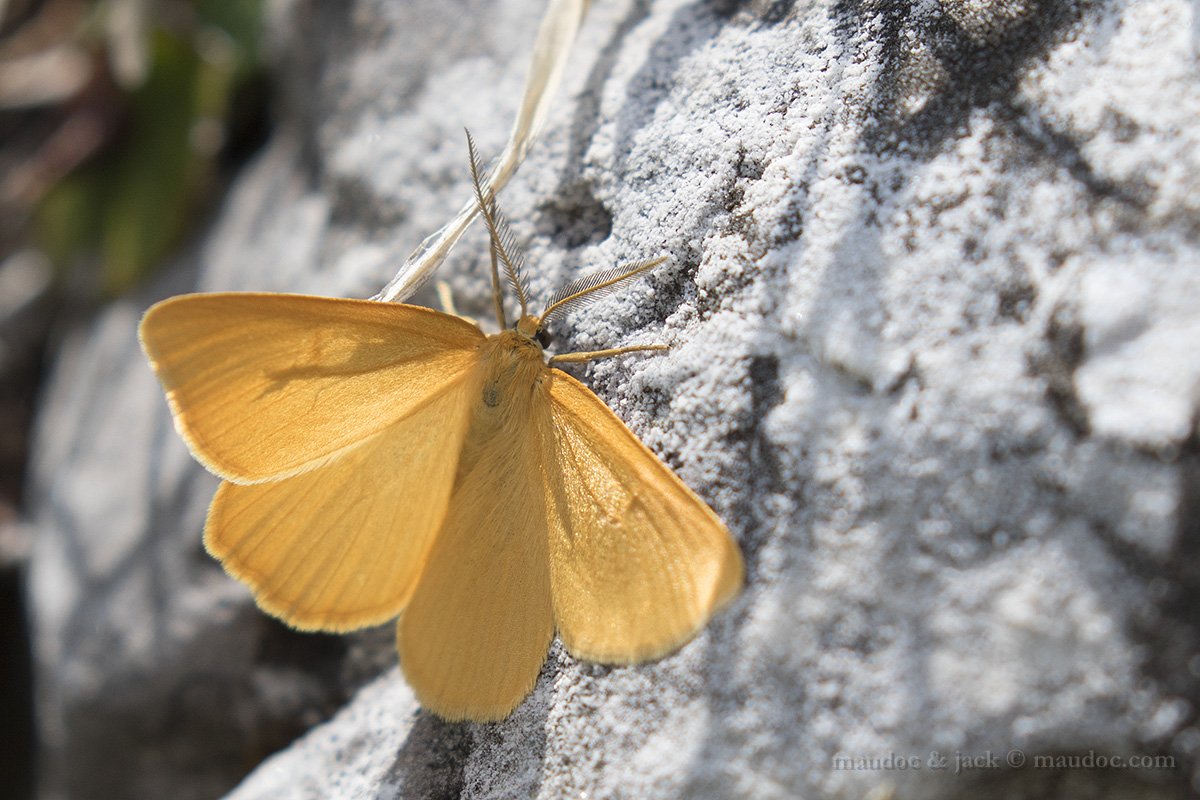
[{"x": 384, "y": 460}]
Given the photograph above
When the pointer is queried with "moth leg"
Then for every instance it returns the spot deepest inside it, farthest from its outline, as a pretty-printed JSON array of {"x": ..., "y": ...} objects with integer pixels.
[
  {"x": 592, "y": 355},
  {"x": 445, "y": 297}
]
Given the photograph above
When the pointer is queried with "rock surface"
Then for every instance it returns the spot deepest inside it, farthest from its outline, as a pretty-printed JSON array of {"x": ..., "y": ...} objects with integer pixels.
[{"x": 933, "y": 308}]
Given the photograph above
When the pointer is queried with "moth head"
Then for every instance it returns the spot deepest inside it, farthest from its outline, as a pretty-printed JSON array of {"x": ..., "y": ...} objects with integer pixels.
[
  {"x": 504, "y": 251},
  {"x": 530, "y": 325},
  {"x": 534, "y": 327}
]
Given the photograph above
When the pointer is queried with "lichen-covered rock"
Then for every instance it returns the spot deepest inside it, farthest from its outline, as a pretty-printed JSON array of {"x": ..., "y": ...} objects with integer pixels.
[{"x": 934, "y": 311}]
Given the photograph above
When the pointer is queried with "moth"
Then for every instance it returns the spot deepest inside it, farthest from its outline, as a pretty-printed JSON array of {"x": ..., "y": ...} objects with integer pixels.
[{"x": 382, "y": 460}]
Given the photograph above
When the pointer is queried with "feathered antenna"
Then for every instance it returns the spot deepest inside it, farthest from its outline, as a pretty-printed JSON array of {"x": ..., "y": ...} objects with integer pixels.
[
  {"x": 483, "y": 200},
  {"x": 592, "y": 287},
  {"x": 550, "y": 50},
  {"x": 503, "y": 246}
]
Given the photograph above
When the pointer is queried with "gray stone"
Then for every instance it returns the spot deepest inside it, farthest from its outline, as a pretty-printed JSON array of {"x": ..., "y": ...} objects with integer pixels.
[{"x": 932, "y": 303}]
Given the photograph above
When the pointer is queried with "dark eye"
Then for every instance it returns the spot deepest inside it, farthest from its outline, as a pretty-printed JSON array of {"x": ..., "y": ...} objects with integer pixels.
[{"x": 543, "y": 337}]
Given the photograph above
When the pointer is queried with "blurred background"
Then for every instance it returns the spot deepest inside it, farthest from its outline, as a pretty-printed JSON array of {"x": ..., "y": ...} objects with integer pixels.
[{"x": 120, "y": 122}]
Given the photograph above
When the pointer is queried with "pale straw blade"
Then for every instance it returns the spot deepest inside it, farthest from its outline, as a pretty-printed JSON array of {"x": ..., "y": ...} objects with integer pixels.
[{"x": 550, "y": 51}]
